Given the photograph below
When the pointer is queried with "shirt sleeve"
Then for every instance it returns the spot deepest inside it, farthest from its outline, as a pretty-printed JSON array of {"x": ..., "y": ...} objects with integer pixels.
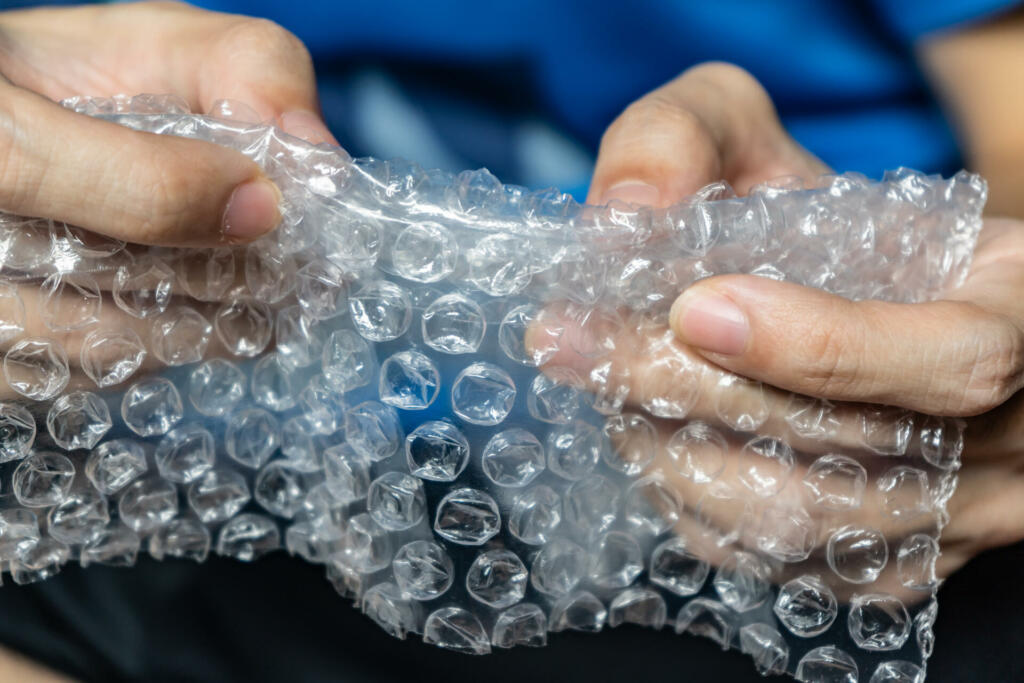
[{"x": 911, "y": 20}]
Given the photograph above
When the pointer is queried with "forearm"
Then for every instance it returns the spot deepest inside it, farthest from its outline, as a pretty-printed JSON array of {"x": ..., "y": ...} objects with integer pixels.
[{"x": 976, "y": 72}]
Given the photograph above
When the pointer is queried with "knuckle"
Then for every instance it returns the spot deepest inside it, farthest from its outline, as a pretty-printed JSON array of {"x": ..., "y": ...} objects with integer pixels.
[
  {"x": 995, "y": 369},
  {"x": 19, "y": 179},
  {"x": 174, "y": 197},
  {"x": 656, "y": 137},
  {"x": 173, "y": 189},
  {"x": 8, "y": 166},
  {"x": 660, "y": 112},
  {"x": 830, "y": 360},
  {"x": 733, "y": 84},
  {"x": 162, "y": 5},
  {"x": 723, "y": 72},
  {"x": 655, "y": 128},
  {"x": 264, "y": 37}
]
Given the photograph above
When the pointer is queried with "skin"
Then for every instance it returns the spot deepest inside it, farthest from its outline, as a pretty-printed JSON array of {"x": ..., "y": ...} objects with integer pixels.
[
  {"x": 960, "y": 356},
  {"x": 137, "y": 186},
  {"x": 970, "y": 71},
  {"x": 16, "y": 667},
  {"x": 134, "y": 186}
]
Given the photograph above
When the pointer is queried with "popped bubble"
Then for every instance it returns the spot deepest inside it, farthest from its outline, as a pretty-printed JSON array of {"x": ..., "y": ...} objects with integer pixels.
[{"x": 464, "y": 400}]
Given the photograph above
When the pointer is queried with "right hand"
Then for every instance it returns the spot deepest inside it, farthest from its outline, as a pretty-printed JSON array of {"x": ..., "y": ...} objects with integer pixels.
[{"x": 133, "y": 186}]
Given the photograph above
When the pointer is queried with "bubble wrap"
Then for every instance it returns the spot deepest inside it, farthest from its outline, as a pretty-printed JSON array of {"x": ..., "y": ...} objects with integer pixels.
[{"x": 463, "y": 399}]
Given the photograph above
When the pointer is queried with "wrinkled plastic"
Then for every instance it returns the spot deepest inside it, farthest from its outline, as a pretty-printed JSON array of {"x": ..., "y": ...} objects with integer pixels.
[{"x": 463, "y": 399}]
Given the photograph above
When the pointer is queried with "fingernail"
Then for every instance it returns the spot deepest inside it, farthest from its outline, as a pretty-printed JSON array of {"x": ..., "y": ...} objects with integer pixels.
[
  {"x": 710, "y": 322},
  {"x": 632, "y": 192},
  {"x": 306, "y": 125},
  {"x": 252, "y": 209}
]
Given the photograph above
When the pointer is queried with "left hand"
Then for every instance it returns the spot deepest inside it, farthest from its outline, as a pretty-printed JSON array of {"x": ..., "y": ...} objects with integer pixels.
[{"x": 960, "y": 356}]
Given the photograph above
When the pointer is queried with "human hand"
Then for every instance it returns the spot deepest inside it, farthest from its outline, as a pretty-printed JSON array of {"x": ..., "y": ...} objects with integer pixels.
[
  {"x": 103, "y": 185},
  {"x": 714, "y": 122},
  {"x": 136, "y": 186},
  {"x": 813, "y": 352},
  {"x": 960, "y": 356},
  {"x": 816, "y": 362}
]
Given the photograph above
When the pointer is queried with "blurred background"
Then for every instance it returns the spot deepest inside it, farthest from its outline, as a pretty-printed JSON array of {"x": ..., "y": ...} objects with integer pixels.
[{"x": 526, "y": 89}]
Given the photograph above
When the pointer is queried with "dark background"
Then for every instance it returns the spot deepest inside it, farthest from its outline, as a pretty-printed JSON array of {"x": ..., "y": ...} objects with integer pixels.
[{"x": 279, "y": 619}]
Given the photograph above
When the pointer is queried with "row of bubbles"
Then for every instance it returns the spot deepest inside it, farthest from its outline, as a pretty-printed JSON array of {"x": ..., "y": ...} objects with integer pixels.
[{"x": 464, "y": 401}]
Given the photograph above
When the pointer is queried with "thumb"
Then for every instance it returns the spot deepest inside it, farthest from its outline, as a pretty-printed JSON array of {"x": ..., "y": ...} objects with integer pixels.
[
  {"x": 944, "y": 357},
  {"x": 139, "y": 187}
]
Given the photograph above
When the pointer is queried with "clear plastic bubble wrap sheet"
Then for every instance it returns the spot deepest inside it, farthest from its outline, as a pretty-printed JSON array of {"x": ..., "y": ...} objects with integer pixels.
[{"x": 463, "y": 399}]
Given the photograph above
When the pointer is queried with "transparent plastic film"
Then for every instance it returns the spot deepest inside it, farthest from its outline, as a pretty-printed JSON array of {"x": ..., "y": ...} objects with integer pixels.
[{"x": 464, "y": 400}]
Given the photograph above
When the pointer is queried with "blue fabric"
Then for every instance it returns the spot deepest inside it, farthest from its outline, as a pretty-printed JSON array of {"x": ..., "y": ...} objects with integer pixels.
[
  {"x": 912, "y": 19},
  {"x": 841, "y": 73}
]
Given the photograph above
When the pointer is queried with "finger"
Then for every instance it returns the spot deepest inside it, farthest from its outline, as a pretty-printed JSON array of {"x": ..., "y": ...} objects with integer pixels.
[
  {"x": 734, "y": 507},
  {"x": 99, "y": 340},
  {"x": 723, "y": 516},
  {"x": 997, "y": 434},
  {"x": 134, "y": 186},
  {"x": 944, "y": 357},
  {"x": 202, "y": 56},
  {"x": 713, "y": 122},
  {"x": 643, "y": 366},
  {"x": 263, "y": 65},
  {"x": 762, "y": 530},
  {"x": 986, "y": 509}
]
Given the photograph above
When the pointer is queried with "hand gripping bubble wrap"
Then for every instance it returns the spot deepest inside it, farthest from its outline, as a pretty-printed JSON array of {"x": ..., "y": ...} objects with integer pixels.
[{"x": 463, "y": 399}]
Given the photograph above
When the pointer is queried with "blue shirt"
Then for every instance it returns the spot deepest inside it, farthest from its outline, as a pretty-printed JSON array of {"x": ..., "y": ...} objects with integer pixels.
[{"x": 842, "y": 74}]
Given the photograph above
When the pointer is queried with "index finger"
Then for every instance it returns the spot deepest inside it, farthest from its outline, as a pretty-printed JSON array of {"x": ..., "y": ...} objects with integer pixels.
[
  {"x": 713, "y": 122},
  {"x": 131, "y": 185}
]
